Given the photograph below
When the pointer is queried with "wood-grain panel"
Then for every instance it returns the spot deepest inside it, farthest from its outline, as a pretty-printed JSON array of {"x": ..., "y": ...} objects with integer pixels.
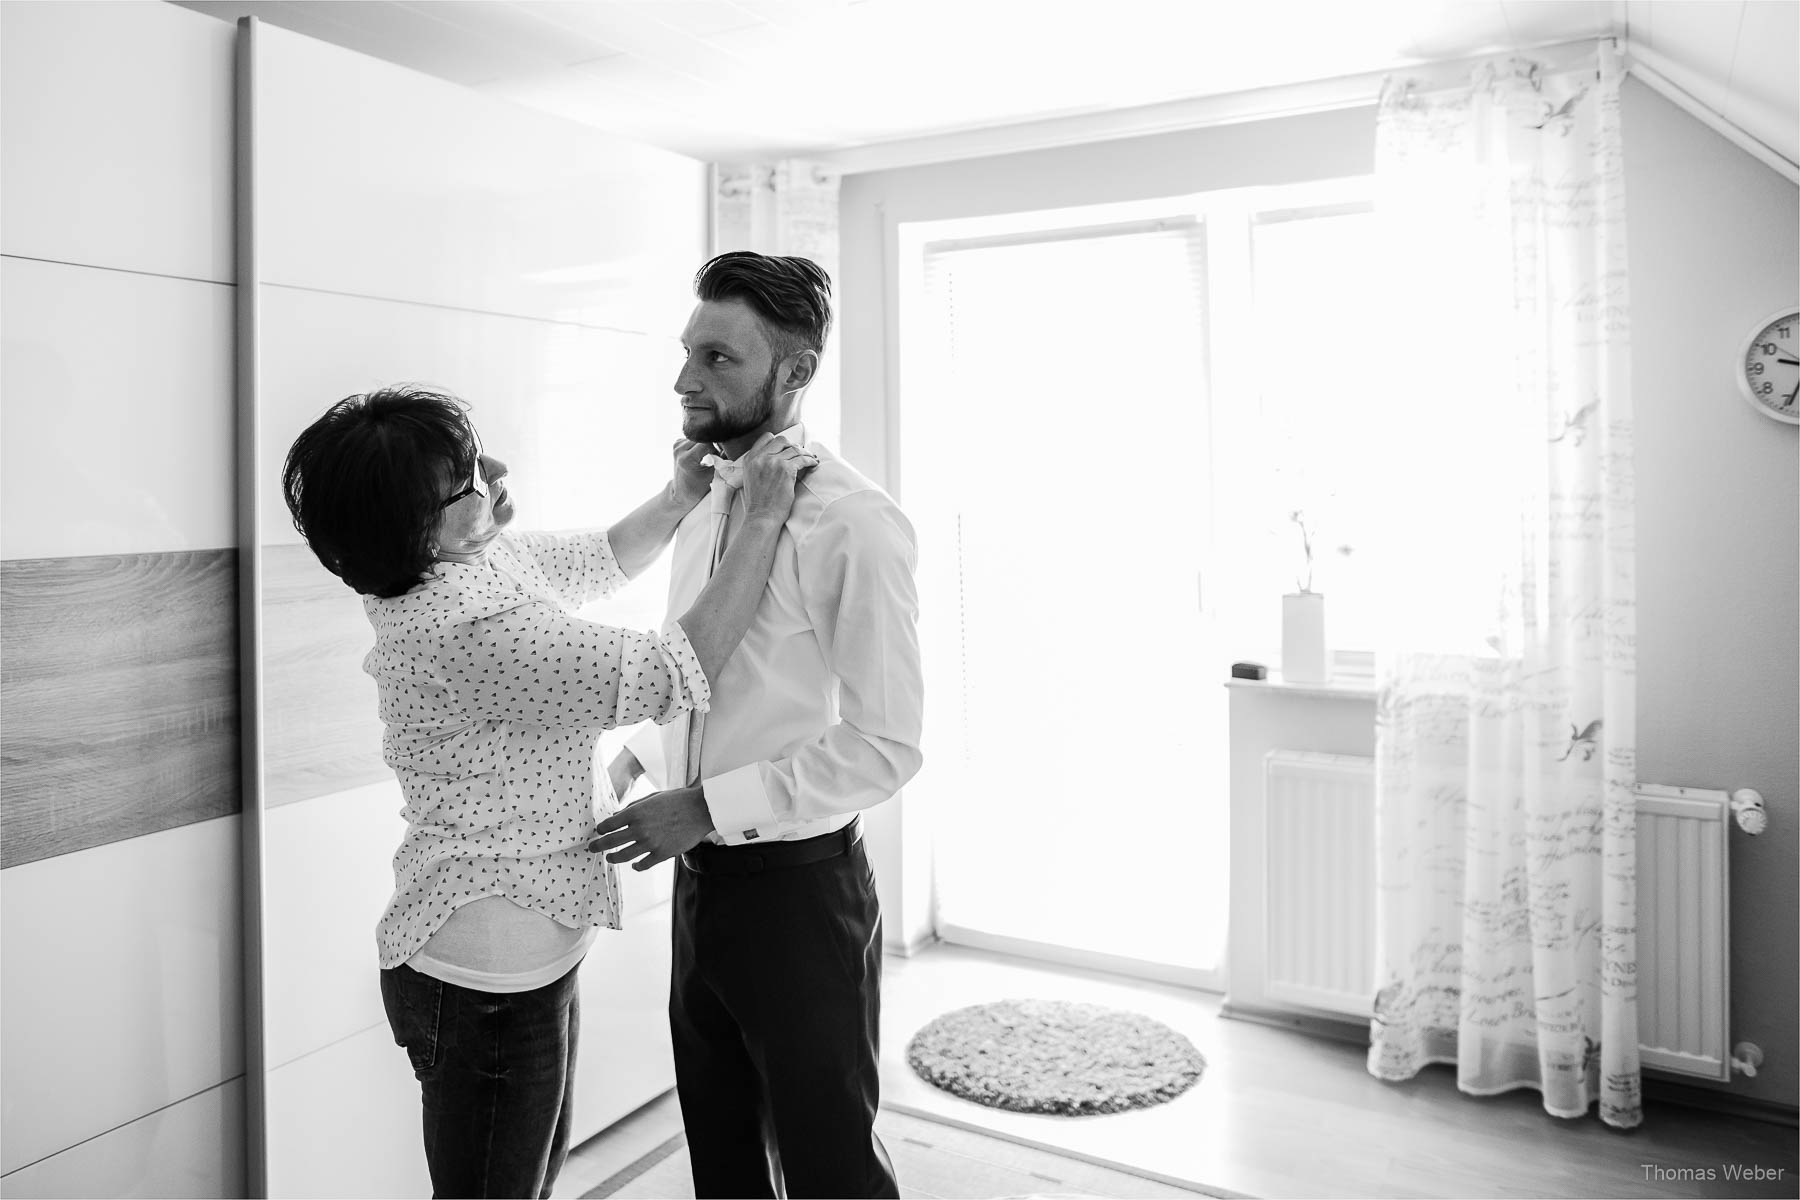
[
  {"x": 321, "y": 727},
  {"x": 119, "y": 704}
]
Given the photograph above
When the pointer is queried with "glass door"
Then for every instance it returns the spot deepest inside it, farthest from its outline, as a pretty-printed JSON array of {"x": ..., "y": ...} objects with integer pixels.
[{"x": 1056, "y": 457}]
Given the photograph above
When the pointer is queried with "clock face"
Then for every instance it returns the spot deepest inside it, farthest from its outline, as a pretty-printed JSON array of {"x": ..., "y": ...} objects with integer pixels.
[{"x": 1769, "y": 371}]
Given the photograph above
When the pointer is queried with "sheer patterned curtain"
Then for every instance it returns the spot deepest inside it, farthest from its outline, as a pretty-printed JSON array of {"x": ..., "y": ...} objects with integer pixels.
[
  {"x": 1506, "y": 744},
  {"x": 787, "y": 207}
]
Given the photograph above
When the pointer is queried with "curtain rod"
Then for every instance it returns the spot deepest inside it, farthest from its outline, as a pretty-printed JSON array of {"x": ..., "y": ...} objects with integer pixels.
[
  {"x": 1277, "y": 101},
  {"x": 1272, "y": 102},
  {"x": 1653, "y": 70}
]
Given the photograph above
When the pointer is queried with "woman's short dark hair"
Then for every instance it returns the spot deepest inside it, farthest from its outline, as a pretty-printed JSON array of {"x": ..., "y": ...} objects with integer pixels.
[
  {"x": 365, "y": 483},
  {"x": 791, "y": 295}
]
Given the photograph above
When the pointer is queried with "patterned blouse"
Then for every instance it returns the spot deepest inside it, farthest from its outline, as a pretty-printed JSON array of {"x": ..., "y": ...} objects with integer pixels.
[{"x": 494, "y": 695}]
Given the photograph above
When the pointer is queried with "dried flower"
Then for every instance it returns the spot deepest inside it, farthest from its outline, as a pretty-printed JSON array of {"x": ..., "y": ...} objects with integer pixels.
[{"x": 1298, "y": 517}]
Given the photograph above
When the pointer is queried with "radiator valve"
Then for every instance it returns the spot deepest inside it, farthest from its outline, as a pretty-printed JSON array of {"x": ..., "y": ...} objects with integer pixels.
[
  {"x": 1747, "y": 806},
  {"x": 1746, "y": 1057}
]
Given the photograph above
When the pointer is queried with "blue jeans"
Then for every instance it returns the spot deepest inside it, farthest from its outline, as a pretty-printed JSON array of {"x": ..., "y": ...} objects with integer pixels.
[{"x": 497, "y": 1074}]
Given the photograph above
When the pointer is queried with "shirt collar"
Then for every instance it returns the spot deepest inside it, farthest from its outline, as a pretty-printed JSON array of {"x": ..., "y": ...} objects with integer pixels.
[{"x": 795, "y": 433}]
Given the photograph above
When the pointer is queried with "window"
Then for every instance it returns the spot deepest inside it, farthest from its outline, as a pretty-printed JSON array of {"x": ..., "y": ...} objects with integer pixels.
[
  {"x": 1108, "y": 418},
  {"x": 1304, "y": 440},
  {"x": 1281, "y": 281}
]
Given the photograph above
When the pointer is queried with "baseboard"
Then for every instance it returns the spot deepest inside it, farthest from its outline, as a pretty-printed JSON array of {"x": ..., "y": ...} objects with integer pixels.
[
  {"x": 1119, "y": 966},
  {"x": 1657, "y": 1089},
  {"x": 1687, "y": 1095},
  {"x": 1337, "y": 1029},
  {"x": 909, "y": 949}
]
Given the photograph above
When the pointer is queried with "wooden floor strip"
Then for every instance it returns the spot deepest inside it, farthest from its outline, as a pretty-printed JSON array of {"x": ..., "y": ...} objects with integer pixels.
[{"x": 642, "y": 1166}]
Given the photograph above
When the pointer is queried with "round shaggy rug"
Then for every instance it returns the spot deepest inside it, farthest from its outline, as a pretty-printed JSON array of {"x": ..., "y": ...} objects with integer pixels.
[{"x": 1054, "y": 1056}]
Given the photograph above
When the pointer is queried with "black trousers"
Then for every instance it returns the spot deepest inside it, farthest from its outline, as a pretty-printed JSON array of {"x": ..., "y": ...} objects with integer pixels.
[{"x": 775, "y": 1012}]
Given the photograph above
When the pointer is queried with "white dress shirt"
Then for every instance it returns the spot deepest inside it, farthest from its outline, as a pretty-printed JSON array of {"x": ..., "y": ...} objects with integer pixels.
[
  {"x": 817, "y": 713},
  {"x": 493, "y": 695}
]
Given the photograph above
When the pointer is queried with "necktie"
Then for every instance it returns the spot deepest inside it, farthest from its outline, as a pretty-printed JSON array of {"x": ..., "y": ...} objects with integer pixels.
[
  {"x": 730, "y": 470},
  {"x": 723, "y": 493}
]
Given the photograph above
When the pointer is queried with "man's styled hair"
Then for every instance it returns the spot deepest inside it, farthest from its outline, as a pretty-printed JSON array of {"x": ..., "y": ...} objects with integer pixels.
[
  {"x": 791, "y": 295},
  {"x": 365, "y": 483}
]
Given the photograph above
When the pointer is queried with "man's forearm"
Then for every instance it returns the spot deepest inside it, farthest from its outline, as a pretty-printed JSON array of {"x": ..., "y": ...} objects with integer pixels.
[
  {"x": 641, "y": 535},
  {"x": 843, "y": 770}
]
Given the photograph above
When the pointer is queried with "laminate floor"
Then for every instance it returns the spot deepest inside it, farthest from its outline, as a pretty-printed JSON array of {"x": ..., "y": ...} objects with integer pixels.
[
  {"x": 933, "y": 1162},
  {"x": 1278, "y": 1114}
]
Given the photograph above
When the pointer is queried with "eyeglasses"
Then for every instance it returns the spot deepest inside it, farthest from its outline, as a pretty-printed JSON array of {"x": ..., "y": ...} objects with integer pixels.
[{"x": 477, "y": 487}]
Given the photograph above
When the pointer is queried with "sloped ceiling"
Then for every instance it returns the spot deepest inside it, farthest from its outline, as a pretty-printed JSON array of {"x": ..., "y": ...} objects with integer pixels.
[{"x": 739, "y": 80}]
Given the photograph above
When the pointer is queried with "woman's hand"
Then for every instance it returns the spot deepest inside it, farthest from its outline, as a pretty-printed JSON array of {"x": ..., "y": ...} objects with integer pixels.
[
  {"x": 722, "y": 611},
  {"x": 693, "y": 479},
  {"x": 770, "y": 473}
]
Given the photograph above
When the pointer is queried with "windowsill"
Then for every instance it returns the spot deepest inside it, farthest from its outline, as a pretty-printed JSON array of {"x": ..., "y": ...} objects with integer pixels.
[{"x": 1352, "y": 687}]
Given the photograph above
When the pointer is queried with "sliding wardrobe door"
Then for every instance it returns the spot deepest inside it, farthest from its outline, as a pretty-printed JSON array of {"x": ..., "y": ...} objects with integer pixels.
[
  {"x": 121, "y": 1030},
  {"x": 408, "y": 229}
]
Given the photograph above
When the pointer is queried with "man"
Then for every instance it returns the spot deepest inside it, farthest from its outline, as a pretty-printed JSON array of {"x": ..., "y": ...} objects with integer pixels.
[{"x": 775, "y": 995}]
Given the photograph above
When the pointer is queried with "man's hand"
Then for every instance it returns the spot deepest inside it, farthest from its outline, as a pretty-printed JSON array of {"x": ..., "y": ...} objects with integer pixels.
[{"x": 655, "y": 829}]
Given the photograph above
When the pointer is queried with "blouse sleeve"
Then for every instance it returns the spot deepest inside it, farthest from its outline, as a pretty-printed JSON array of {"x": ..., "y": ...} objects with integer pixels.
[
  {"x": 535, "y": 664},
  {"x": 580, "y": 566}
]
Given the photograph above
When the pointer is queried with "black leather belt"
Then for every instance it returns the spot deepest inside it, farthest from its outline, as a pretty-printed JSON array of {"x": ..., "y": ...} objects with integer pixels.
[{"x": 708, "y": 859}]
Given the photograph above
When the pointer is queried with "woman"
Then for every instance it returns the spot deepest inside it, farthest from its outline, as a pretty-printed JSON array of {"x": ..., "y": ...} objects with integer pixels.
[{"x": 494, "y": 694}]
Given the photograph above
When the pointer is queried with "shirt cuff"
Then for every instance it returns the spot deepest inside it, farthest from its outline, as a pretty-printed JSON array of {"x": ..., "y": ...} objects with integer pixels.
[
  {"x": 738, "y": 804},
  {"x": 695, "y": 693},
  {"x": 612, "y": 576}
]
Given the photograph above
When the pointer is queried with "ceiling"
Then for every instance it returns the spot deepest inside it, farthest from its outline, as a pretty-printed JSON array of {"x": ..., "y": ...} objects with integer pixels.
[{"x": 747, "y": 80}]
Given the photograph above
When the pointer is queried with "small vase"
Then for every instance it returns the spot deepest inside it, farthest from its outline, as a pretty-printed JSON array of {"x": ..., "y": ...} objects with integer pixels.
[{"x": 1304, "y": 658}]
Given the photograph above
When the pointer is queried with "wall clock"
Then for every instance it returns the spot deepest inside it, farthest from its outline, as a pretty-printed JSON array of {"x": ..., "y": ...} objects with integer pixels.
[{"x": 1769, "y": 368}]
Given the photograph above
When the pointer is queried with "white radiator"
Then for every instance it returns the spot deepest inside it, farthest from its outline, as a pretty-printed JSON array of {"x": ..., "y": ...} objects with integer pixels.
[
  {"x": 1319, "y": 900},
  {"x": 1683, "y": 930},
  {"x": 1319, "y": 876}
]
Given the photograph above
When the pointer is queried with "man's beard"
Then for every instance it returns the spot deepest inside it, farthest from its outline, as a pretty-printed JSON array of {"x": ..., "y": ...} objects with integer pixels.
[{"x": 717, "y": 427}]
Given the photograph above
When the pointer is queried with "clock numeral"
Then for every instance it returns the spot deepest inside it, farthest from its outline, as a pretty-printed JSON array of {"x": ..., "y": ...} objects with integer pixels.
[
  {"x": 1756, "y": 368},
  {"x": 1767, "y": 389},
  {"x": 1784, "y": 331},
  {"x": 1770, "y": 348}
]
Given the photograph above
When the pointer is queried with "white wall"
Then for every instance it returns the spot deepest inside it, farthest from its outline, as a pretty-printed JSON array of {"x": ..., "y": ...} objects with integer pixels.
[{"x": 1713, "y": 248}]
